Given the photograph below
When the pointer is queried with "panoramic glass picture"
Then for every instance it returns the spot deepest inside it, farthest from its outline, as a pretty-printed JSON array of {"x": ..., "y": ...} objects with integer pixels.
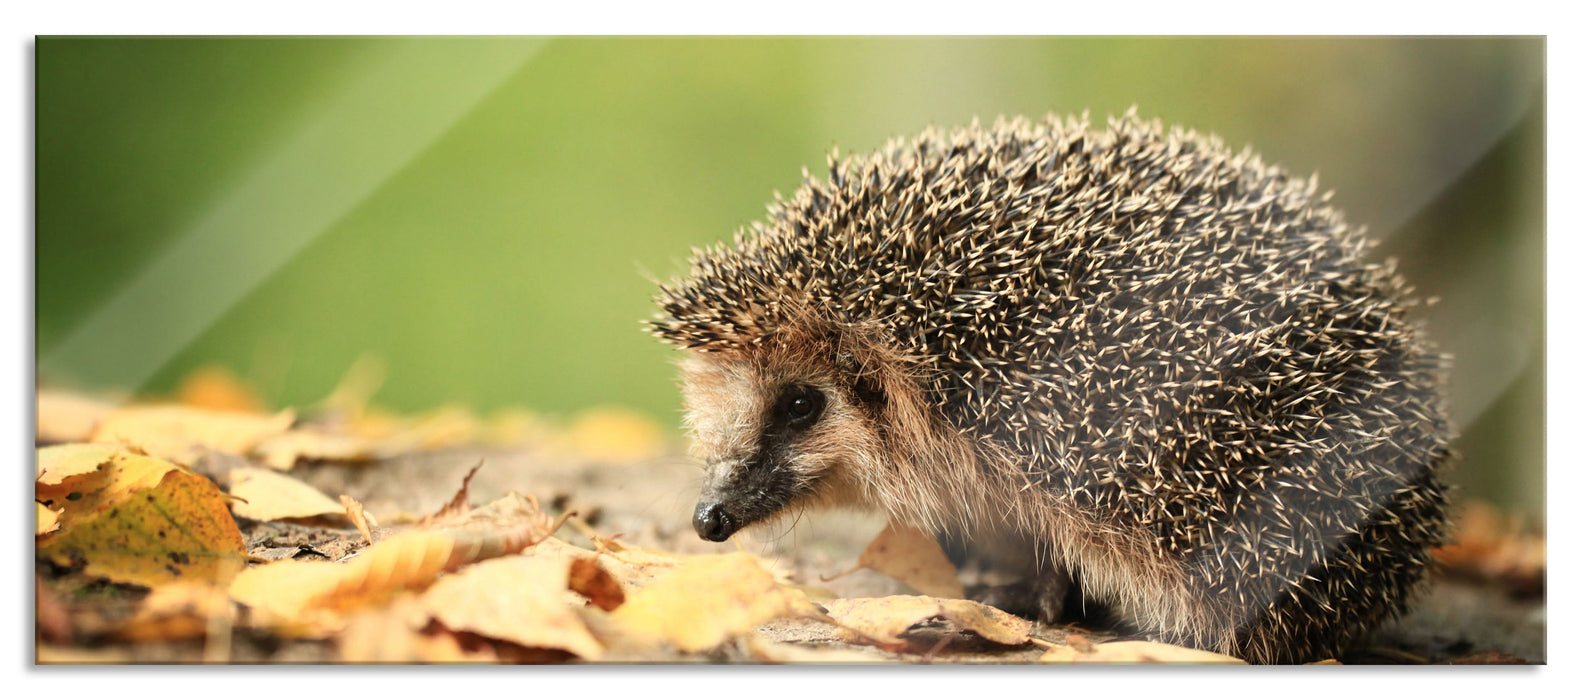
[{"x": 858, "y": 351}]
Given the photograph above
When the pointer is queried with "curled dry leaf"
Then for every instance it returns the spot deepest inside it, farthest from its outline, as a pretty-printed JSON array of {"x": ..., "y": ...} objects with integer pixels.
[
  {"x": 283, "y": 451},
  {"x": 270, "y": 495},
  {"x": 459, "y": 506},
  {"x": 590, "y": 579},
  {"x": 303, "y": 597},
  {"x": 182, "y": 433},
  {"x": 707, "y": 600},
  {"x": 359, "y": 517},
  {"x": 399, "y": 633},
  {"x": 179, "y": 529},
  {"x": 64, "y": 417},
  {"x": 914, "y": 558},
  {"x": 1135, "y": 652},
  {"x": 1492, "y": 546},
  {"x": 884, "y": 620},
  {"x": 181, "y": 610},
  {"x": 519, "y": 599}
]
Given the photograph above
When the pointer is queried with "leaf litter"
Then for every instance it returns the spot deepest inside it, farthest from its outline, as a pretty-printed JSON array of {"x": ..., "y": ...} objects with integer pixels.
[{"x": 290, "y": 552}]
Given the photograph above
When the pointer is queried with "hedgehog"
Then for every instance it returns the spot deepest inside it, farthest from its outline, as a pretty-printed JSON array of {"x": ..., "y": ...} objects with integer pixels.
[{"x": 1142, "y": 370}]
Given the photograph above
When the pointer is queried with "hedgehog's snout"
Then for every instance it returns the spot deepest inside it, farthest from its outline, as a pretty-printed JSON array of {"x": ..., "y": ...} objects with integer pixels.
[{"x": 712, "y": 522}]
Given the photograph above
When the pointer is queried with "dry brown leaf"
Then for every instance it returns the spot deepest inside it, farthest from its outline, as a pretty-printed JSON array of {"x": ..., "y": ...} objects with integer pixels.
[
  {"x": 523, "y": 600},
  {"x": 48, "y": 520},
  {"x": 1491, "y": 546},
  {"x": 709, "y": 599},
  {"x": 884, "y": 620},
  {"x": 458, "y": 508},
  {"x": 302, "y": 597},
  {"x": 181, "y": 610},
  {"x": 615, "y": 434},
  {"x": 596, "y": 584},
  {"x": 269, "y": 495},
  {"x": 51, "y": 654},
  {"x": 183, "y": 433},
  {"x": 358, "y": 516},
  {"x": 64, "y": 417},
  {"x": 283, "y": 451},
  {"x": 216, "y": 388},
  {"x": 179, "y": 529},
  {"x": 1135, "y": 652},
  {"x": 780, "y": 653},
  {"x": 395, "y": 634},
  {"x": 914, "y": 558}
]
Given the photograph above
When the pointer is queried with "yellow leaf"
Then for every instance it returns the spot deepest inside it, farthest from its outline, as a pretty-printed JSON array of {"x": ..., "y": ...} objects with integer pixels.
[
  {"x": 393, "y": 634},
  {"x": 58, "y": 462},
  {"x": 518, "y": 599},
  {"x": 914, "y": 558},
  {"x": 180, "y": 529},
  {"x": 269, "y": 495},
  {"x": 615, "y": 434},
  {"x": 182, "y": 433},
  {"x": 709, "y": 599},
  {"x": 302, "y": 597},
  {"x": 181, "y": 610},
  {"x": 64, "y": 417},
  {"x": 47, "y": 521},
  {"x": 96, "y": 478},
  {"x": 885, "y": 619},
  {"x": 283, "y": 451},
  {"x": 1134, "y": 652},
  {"x": 216, "y": 388}
]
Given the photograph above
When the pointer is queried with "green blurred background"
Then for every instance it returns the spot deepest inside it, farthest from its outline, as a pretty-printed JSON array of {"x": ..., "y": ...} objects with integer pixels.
[{"x": 483, "y": 214}]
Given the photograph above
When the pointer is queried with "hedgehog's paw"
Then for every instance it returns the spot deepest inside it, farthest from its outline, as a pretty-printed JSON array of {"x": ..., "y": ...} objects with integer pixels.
[{"x": 1042, "y": 598}]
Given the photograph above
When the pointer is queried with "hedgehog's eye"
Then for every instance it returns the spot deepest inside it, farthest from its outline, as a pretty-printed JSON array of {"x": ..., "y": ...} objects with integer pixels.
[{"x": 801, "y": 406}]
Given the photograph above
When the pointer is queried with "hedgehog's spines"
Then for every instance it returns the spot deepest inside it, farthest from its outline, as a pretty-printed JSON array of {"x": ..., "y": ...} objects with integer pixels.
[{"x": 1167, "y": 337}]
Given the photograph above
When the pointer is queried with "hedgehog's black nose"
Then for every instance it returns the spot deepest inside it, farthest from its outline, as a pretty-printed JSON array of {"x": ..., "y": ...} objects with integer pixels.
[{"x": 712, "y": 523}]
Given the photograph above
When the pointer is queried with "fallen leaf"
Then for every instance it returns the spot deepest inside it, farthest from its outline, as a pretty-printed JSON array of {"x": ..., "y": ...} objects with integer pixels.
[
  {"x": 216, "y": 388},
  {"x": 458, "y": 508},
  {"x": 56, "y": 463},
  {"x": 1134, "y": 652},
  {"x": 519, "y": 599},
  {"x": 914, "y": 558},
  {"x": 396, "y": 634},
  {"x": 884, "y": 620},
  {"x": 64, "y": 417},
  {"x": 96, "y": 477},
  {"x": 1491, "y": 546},
  {"x": 182, "y": 433},
  {"x": 615, "y": 434},
  {"x": 181, "y": 610},
  {"x": 780, "y": 653},
  {"x": 358, "y": 516},
  {"x": 285, "y": 450},
  {"x": 708, "y": 600},
  {"x": 48, "y": 519},
  {"x": 595, "y": 583},
  {"x": 304, "y": 597},
  {"x": 269, "y": 495},
  {"x": 179, "y": 529}
]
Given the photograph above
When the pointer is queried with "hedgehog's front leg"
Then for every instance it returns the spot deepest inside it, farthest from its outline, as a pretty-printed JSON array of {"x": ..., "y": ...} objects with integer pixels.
[{"x": 1037, "y": 589}]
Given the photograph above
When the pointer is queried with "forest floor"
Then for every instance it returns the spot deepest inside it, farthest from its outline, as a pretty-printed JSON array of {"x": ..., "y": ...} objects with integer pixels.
[{"x": 1486, "y": 609}]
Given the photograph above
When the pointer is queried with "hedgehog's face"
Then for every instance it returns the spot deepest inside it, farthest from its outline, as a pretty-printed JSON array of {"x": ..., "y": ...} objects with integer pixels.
[{"x": 771, "y": 439}]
